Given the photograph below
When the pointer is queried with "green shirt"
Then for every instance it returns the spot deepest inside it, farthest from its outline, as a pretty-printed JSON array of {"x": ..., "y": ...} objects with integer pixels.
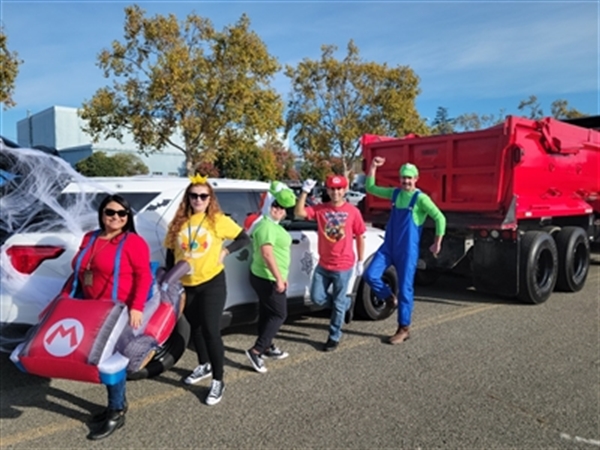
[
  {"x": 423, "y": 207},
  {"x": 268, "y": 232}
]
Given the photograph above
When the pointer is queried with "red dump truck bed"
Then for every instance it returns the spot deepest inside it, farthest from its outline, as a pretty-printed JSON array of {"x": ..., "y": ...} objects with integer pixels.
[{"x": 529, "y": 168}]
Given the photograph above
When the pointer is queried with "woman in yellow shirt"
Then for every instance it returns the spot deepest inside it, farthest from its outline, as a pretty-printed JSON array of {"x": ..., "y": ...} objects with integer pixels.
[{"x": 197, "y": 234}]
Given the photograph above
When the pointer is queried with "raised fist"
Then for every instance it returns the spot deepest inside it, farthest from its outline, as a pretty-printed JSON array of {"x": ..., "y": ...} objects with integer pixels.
[{"x": 378, "y": 161}]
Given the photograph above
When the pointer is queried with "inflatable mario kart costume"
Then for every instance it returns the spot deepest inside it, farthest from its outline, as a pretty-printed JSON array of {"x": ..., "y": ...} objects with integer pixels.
[{"x": 91, "y": 340}]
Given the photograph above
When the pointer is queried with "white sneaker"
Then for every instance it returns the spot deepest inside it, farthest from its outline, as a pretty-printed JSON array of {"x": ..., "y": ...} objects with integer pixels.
[
  {"x": 199, "y": 373},
  {"x": 216, "y": 392}
]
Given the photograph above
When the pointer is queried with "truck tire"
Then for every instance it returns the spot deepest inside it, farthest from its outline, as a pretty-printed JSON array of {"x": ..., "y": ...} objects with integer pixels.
[
  {"x": 168, "y": 354},
  {"x": 552, "y": 230},
  {"x": 368, "y": 306},
  {"x": 538, "y": 267},
  {"x": 573, "y": 259}
]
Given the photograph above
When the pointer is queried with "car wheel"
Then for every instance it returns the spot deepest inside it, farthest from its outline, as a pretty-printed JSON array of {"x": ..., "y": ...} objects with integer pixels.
[
  {"x": 168, "y": 354},
  {"x": 368, "y": 306}
]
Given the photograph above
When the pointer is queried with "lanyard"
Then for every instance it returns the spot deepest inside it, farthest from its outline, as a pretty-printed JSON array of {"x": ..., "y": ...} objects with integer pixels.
[
  {"x": 190, "y": 240},
  {"x": 116, "y": 266}
]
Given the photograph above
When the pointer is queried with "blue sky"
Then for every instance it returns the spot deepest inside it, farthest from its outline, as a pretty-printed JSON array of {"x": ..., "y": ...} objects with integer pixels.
[{"x": 471, "y": 56}]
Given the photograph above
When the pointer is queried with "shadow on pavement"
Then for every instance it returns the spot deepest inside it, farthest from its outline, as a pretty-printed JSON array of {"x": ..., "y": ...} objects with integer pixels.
[
  {"x": 450, "y": 289},
  {"x": 19, "y": 390}
]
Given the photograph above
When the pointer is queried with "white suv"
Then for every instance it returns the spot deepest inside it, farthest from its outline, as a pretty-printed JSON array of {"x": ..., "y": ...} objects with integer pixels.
[{"x": 36, "y": 264}]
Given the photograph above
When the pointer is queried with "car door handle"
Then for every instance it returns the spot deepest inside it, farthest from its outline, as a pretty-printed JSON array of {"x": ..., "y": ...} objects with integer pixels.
[{"x": 295, "y": 241}]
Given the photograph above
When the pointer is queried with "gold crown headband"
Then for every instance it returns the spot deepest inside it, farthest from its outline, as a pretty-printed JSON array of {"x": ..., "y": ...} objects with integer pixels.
[{"x": 198, "y": 179}]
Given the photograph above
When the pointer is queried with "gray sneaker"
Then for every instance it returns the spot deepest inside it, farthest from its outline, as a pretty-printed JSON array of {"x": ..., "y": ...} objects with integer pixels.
[
  {"x": 275, "y": 353},
  {"x": 257, "y": 361},
  {"x": 200, "y": 373},
  {"x": 216, "y": 392}
]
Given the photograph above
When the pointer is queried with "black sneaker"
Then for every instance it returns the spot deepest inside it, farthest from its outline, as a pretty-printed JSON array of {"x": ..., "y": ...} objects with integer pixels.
[
  {"x": 330, "y": 345},
  {"x": 257, "y": 361},
  {"x": 275, "y": 353}
]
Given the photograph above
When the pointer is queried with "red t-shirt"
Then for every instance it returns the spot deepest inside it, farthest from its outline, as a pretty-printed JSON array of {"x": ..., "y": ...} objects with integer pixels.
[
  {"x": 337, "y": 228},
  {"x": 135, "y": 276}
]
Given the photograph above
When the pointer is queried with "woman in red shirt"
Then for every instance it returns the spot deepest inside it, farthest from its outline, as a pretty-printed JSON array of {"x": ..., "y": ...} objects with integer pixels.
[{"x": 117, "y": 235}]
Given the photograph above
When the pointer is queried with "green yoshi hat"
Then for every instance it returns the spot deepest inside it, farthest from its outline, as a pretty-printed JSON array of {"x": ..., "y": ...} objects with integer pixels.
[
  {"x": 285, "y": 198},
  {"x": 409, "y": 170}
]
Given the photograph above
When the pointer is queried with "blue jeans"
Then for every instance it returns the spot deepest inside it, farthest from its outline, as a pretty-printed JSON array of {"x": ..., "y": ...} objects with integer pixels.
[
  {"x": 337, "y": 299},
  {"x": 116, "y": 395}
]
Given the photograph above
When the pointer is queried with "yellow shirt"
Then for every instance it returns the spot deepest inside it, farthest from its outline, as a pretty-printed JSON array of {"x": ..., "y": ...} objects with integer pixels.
[{"x": 206, "y": 245}]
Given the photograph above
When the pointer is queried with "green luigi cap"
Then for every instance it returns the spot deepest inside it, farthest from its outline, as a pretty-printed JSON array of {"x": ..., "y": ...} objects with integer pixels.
[
  {"x": 276, "y": 186},
  {"x": 285, "y": 198},
  {"x": 409, "y": 170}
]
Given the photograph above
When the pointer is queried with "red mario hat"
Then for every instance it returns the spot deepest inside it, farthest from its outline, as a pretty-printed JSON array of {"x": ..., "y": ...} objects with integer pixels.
[{"x": 336, "y": 181}]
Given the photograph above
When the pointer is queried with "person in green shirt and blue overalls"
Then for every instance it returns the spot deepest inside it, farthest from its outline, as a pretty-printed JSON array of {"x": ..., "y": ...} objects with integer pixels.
[
  {"x": 271, "y": 255},
  {"x": 400, "y": 248}
]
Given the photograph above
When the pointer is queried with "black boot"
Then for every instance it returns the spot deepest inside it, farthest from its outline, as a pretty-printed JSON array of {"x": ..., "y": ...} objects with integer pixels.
[
  {"x": 114, "y": 420},
  {"x": 101, "y": 416}
]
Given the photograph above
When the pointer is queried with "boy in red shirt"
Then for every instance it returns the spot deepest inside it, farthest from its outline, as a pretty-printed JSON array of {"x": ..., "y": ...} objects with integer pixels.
[{"x": 339, "y": 224}]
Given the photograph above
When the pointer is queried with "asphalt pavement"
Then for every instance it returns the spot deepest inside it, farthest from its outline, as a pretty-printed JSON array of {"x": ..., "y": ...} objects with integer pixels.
[{"x": 479, "y": 372}]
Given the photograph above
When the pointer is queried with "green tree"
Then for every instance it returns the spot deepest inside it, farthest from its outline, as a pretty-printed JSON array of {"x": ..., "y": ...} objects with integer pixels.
[
  {"x": 475, "y": 121},
  {"x": 252, "y": 164},
  {"x": 284, "y": 160},
  {"x": 560, "y": 110},
  {"x": 267, "y": 161},
  {"x": 318, "y": 169},
  {"x": 531, "y": 104},
  {"x": 99, "y": 164},
  {"x": 210, "y": 88},
  {"x": 9, "y": 69},
  {"x": 334, "y": 102},
  {"x": 442, "y": 123}
]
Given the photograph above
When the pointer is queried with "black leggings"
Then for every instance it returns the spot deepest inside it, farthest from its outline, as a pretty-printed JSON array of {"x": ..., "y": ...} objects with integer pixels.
[
  {"x": 203, "y": 310},
  {"x": 272, "y": 311}
]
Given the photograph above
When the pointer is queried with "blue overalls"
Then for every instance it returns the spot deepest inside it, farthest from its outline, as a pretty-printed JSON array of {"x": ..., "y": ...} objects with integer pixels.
[{"x": 400, "y": 248}]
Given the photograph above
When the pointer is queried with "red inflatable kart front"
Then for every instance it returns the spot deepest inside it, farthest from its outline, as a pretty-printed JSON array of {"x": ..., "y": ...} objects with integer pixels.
[{"x": 91, "y": 340}]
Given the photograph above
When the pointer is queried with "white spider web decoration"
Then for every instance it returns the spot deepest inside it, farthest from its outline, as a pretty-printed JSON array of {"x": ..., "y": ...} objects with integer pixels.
[{"x": 31, "y": 201}]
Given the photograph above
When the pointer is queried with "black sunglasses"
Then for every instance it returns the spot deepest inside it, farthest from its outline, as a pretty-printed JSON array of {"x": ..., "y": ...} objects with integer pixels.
[
  {"x": 194, "y": 196},
  {"x": 276, "y": 205},
  {"x": 111, "y": 212}
]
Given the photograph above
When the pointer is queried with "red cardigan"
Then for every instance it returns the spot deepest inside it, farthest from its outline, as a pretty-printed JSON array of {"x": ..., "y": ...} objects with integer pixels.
[{"x": 135, "y": 276}]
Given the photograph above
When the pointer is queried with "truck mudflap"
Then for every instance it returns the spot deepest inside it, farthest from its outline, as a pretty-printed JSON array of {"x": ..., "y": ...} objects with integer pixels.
[{"x": 496, "y": 266}]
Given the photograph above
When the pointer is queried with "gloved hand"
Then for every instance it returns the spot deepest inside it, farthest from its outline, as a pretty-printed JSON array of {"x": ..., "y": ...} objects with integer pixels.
[
  {"x": 308, "y": 185},
  {"x": 360, "y": 268}
]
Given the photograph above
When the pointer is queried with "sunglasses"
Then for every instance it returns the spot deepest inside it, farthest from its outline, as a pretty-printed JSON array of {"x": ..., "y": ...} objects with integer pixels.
[
  {"x": 111, "y": 212},
  {"x": 277, "y": 205},
  {"x": 202, "y": 197}
]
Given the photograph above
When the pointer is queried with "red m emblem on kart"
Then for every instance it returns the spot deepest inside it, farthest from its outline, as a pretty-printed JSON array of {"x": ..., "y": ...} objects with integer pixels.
[{"x": 63, "y": 337}]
